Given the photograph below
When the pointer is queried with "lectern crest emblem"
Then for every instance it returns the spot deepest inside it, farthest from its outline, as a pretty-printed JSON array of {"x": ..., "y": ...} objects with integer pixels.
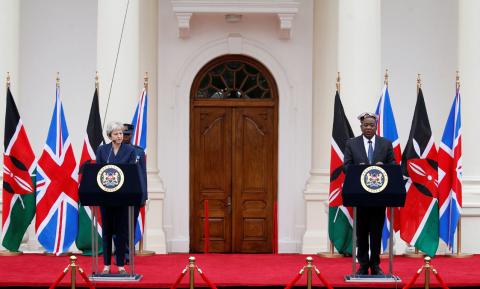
[
  {"x": 374, "y": 179},
  {"x": 110, "y": 178}
]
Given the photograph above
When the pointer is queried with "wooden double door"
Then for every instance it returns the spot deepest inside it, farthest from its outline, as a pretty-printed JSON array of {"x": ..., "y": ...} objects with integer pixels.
[{"x": 234, "y": 166}]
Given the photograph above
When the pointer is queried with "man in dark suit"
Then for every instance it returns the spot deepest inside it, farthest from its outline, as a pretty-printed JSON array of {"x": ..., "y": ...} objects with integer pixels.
[{"x": 369, "y": 149}]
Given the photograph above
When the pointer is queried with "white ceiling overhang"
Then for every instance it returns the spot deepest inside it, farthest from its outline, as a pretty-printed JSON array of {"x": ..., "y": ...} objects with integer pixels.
[{"x": 284, "y": 9}]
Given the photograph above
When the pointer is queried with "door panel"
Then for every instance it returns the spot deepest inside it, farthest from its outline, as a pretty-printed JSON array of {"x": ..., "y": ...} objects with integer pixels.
[
  {"x": 211, "y": 178},
  {"x": 253, "y": 179},
  {"x": 233, "y": 167}
]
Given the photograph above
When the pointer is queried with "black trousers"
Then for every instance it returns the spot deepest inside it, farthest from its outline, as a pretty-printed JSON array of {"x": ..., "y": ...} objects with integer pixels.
[
  {"x": 126, "y": 259},
  {"x": 114, "y": 222},
  {"x": 369, "y": 227}
]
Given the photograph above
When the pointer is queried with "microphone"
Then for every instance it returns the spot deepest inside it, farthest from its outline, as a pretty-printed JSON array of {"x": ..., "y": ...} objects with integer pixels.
[{"x": 109, "y": 153}]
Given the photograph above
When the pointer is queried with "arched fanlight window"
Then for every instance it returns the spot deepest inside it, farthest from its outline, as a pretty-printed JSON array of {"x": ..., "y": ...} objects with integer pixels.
[{"x": 234, "y": 79}]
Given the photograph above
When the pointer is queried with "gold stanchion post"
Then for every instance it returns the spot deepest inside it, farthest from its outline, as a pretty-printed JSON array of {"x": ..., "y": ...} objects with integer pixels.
[
  {"x": 309, "y": 272},
  {"x": 427, "y": 271},
  {"x": 73, "y": 271},
  {"x": 191, "y": 268}
]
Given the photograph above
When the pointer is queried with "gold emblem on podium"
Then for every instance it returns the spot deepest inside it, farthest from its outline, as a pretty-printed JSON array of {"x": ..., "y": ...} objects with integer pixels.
[
  {"x": 110, "y": 178},
  {"x": 374, "y": 179}
]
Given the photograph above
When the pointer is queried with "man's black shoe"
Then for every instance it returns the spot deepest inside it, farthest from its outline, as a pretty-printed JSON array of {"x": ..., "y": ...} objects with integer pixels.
[
  {"x": 376, "y": 270},
  {"x": 363, "y": 270}
]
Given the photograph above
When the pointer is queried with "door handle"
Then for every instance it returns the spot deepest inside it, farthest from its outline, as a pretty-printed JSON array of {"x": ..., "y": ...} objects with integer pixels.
[{"x": 229, "y": 202}]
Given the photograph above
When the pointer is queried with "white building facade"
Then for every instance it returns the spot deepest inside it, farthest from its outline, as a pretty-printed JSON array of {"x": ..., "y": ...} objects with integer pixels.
[{"x": 302, "y": 43}]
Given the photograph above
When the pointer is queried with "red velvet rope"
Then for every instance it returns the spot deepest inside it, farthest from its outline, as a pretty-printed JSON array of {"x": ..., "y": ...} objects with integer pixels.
[
  {"x": 439, "y": 279},
  {"x": 295, "y": 280},
  {"x": 413, "y": 279},
  {"x": 206, "y": 228},
  {"x": 324, "y": 281},
  {"x": 204, "y": 277},
  {"x": 85, "y": 278},
  {"x": 64, "y": 272},
  {"x": 179, "y": 279}
]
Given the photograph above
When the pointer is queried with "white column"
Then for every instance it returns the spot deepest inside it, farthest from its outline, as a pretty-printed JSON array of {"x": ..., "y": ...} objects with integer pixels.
[
  {"x": 136, "y": 56},
  {"x": 9, "y": 55},
  {"x": 315, "y": 238},
  {"x": 155, "y": 236},
  {"x": 359, "y": 56},
  {"x": 128, "y": 81},
  {"x": 469, "y": 67}
]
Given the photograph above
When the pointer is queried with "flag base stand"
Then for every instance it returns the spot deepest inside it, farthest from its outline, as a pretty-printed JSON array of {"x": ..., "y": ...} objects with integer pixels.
[
  {"x": 384, "y": 256},
  {"x": 413, "y": 255},
  {"x": 63, "y": 254},
  {"x": 9, "y": 253},
  {"x": 330, "y": 255},
  {"x": 459, "y": 255},
  {"x": 144, "y": 253}
]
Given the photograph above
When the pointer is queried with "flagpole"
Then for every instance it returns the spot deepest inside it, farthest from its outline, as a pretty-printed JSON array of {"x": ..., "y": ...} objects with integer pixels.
[
  {"x": 141, "y": 251},
  {"x": 387, "y": 255},
  {"x": 331, "y": 249},
  {"x": 459, "y": 253},
  {"x": 7, "y": 252}
]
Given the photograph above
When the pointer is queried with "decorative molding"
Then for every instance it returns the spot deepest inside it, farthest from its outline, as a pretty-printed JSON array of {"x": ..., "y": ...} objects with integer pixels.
[
  {"x": 183, "y": 20},
  {"x": 284, "y": 9}
]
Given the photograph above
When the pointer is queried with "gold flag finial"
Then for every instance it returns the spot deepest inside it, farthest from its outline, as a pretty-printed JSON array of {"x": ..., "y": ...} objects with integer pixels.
[
  {"x": 8, "y": 79},
  {"x": 58, "y": 79},
  {"x": 457, "y": 81},
  {"x": 96, "y": 79},
  {"x": 385, "y": 77},
  {"x": 145, "y": 80},
  {"x": 338, "y": 81},
  {"x": 419, "y": 82}
]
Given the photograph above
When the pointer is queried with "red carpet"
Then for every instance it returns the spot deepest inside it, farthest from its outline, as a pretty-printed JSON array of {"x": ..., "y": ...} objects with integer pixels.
[{"x": 161, "y": 271}]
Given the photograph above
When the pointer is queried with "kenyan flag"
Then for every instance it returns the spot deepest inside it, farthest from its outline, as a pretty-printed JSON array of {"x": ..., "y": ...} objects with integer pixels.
[
  {"x": 419, "y": 217},
  {"x": 92, "y": 141},
  {"x": 340, "y": 218},
  {"x": 18, "y": 187}
]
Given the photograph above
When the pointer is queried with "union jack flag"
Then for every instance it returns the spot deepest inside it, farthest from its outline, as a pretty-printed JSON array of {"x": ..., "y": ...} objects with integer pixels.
[
  {"x": 139, "y": 138},
  {"x": 387, "y": 128},
  {"x": 450, "y": 174},
  {"x": 57, "y": 187}
]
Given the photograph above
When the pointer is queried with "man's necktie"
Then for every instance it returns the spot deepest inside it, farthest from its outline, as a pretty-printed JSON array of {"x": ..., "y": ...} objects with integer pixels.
[{"x": 370, "y": 152}]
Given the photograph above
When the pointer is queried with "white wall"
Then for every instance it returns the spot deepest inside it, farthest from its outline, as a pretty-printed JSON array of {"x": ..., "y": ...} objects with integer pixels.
[
  {"x": 56, "y": 35},
  {"x": 420, "y": 37},
  {"x": 290, "y": 61}
]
